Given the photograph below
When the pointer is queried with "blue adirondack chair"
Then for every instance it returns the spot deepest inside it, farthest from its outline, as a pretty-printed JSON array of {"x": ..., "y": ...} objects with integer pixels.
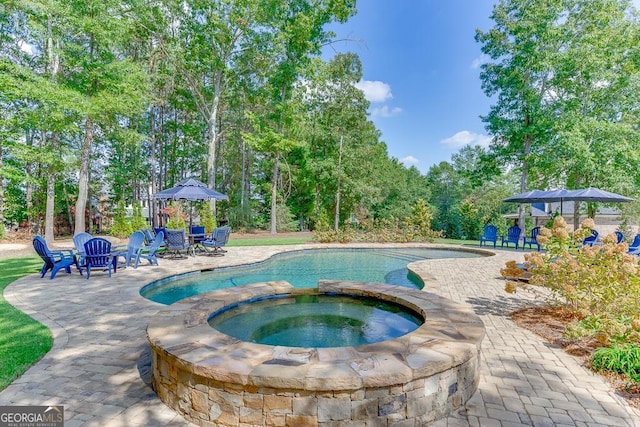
[
  {"x": 97, "y": 255},
  {"x": 619, "y": 237},
  {"x": 150, "y": 252},
  {"x": 490, "y": 234},
  {"x": 634, "y": 246},
  {"x": 218, "y": 239},
  {"x": 53, "y": 260},
  {"x": 136, "y": 241},
  {"x": 513, "y": 236},
  {"x": 591, "y": 240},
  {"x": 532, "y": 239},
  {"x": 78, "y": 242}
]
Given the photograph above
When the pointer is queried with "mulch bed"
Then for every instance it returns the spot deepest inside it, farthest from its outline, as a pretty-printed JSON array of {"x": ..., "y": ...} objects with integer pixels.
[{"x": 550, "y": 323}]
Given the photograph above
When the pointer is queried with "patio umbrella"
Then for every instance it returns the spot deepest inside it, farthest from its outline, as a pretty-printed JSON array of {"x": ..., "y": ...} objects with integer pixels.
[
  {"x": 581, "y": 195},
  {"x": 192, "y": 190},
  {"x": 595, "y": 195}
]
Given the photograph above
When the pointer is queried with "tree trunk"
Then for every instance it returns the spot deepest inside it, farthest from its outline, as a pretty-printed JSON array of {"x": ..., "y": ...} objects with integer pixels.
[
  {"x": 1, "y": 197},
  {"x": 49, "y": 216},
  {"x": 336, "y": 217},
  {"x": 526, "y": 150},
  {"x": 83, "y": 179},
  {"x": 53, "y": 67},
  {"x": 274, "y": 195},
  {"x": 152, "y": 181}
]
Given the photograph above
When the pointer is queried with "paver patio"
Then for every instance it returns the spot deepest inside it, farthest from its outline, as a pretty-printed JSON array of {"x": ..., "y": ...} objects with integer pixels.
[{"x": 98, "y": 367}]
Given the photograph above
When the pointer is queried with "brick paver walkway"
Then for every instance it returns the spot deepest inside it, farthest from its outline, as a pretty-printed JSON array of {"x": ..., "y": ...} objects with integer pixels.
[{"x": 98, "y": 367}]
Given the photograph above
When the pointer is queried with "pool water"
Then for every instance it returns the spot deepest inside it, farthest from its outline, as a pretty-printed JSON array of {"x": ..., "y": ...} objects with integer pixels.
[
  {"x": 303, "y": 269},
  {"x": 316, "y": 321}
]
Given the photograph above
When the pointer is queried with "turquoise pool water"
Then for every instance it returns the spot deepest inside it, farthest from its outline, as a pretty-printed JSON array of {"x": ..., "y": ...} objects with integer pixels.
[
  {"x": 303, "y": 269},
  {"x": 316, "y": 321}
]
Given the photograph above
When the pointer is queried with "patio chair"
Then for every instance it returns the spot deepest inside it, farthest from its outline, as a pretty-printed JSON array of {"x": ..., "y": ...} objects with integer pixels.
[
  {"x": 150, "y": 252},
  {"x": 136, "y": 241},
  {"x": 78, "y": 242},
  {"x": 157, "y": 230},
  {"x": 196, "y": 236},
  {"x": 54, "y": 260},
  {"x": 148, "y": 236},
  {"x": 490, "y": 234},
  {"x": 218, "y": 239},
  {"x": 619, "y": 237},
  {"x": 513, "y": 236},
  {"x": 532, "y": 239},
  {"x": 591, "y": 240},
  {"x": 97, "y": 255},
  {"x": 634, "y": 246},
  {"x": 176, "y": 242}
]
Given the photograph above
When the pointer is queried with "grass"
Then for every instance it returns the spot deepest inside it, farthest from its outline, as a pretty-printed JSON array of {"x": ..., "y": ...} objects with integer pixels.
[{"x": 23, "y": 341}]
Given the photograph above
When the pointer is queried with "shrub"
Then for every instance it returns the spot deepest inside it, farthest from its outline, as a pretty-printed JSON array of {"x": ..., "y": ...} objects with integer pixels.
[
  {"x": 177, "y": 219},
  {"x": 206, "y": 217},
  {"x": 285, "y": 221},
  {"x": 121, "y": 225},
  {"x": 138, "y": 222},
  {"x": 599, "y": 284},
  {"x": 619, "y": 359}
]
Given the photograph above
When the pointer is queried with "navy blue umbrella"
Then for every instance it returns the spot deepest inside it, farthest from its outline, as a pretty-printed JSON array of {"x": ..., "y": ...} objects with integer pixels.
[
  {"x": 192, "y": 190},
  {"x": 582, "y": 195}
]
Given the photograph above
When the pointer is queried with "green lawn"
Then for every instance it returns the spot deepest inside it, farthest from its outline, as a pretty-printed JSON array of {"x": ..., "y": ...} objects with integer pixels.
[{"x": 23, "y": 341}]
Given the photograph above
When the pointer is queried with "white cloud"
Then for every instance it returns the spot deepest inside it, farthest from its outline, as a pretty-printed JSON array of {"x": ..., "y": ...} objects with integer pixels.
[
  {"x": 385, "y": 111},
  {"x": 375, "y": 91},
  {"x": 479, "y": 61},
  {"x": 409, "y": 161},
  {"x": 465, "y": 137}
]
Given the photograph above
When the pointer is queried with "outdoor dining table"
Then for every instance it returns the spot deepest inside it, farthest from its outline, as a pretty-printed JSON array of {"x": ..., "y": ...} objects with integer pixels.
[{"x": 195, "y": 245}]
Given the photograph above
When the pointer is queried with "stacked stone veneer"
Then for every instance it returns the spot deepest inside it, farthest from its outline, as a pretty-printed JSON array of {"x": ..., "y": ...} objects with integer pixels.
[{"x": 216, "y": 380}]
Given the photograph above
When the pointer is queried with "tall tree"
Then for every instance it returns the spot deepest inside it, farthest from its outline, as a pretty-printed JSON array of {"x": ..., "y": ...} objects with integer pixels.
[
  {"x": 111, "y": 84},
  {"x": 520, "y": 47}
]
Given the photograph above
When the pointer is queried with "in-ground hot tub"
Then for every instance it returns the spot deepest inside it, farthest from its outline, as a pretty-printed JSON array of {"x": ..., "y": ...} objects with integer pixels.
[{"x": 214, "y": 379}]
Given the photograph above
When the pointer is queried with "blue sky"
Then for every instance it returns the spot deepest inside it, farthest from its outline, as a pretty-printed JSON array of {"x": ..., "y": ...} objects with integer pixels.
[{"x": 421, "y": 73}]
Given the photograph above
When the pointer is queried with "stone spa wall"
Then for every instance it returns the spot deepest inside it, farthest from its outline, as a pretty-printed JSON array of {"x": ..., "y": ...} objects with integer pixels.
[{"x": 213, "y": 379}]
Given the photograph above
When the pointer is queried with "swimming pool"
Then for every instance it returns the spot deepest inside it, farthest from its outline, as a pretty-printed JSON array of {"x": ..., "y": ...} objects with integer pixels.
[{"x": 303, "y": 269}]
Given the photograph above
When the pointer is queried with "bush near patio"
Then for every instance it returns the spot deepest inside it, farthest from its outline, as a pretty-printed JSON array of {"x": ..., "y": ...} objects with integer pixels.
[
  {"x": 599, "y": 284},
  {"x": 413, "y": 228}
]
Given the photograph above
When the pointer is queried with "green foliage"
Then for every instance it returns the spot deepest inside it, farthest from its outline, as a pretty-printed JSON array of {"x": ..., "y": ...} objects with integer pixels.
[
  {"x": 121, "y": 225},
  {"x": 605, "y": 329},
  {"x": 177, "y": 218},
  {"x": 285, "y": 221},
  {"x": 379, "y": 230},
  {"x": 599, "y": 283},
  {"x": 206, "y": 217},
  {"x": 138, "y": 222},
  {"x": 421, "y": 219},
  {"x": 471, "y": 222},
  {"x": 618, "y": 359}
]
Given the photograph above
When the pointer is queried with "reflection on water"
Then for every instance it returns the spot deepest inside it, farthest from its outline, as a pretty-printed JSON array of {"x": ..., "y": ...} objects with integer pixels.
[
  {"x": 316, "y": 321},
  {"x": 303, "y": 269}
]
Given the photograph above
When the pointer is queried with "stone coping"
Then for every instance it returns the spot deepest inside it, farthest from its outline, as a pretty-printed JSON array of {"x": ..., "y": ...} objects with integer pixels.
[{"x": 450, "y": 336}]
